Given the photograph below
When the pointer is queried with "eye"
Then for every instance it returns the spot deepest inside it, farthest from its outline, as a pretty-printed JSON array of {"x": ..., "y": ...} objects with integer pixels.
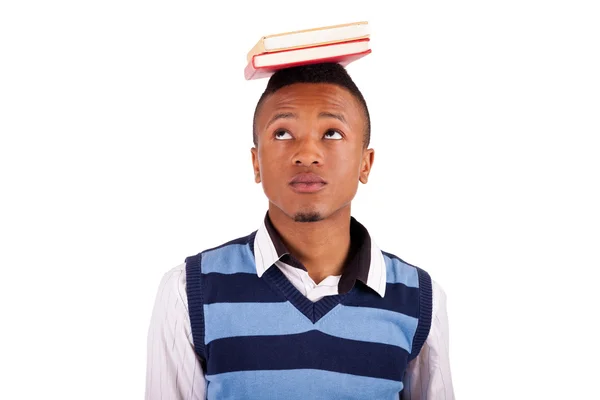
[
  {"x": 280, "y": 132},
  {"x": 331, "y": 132}
]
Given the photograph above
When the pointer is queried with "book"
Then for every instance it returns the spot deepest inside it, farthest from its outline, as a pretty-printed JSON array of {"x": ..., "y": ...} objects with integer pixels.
[
  {"x": 310, "y": 37},
  {"x": 265, "y": 64}
]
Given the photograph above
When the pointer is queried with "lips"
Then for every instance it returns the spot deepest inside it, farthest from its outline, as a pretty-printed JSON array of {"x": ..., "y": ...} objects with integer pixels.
[
  {"x": 307, "y": 183},
  {"x": 308, "y": 177}
]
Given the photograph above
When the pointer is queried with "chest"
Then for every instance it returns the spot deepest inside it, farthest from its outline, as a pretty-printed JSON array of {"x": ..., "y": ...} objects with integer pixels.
[{"x": 279, "y": 353}]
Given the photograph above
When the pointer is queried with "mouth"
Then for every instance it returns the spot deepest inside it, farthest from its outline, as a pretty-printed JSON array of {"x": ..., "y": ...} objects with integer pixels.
[{"x": 307, "y": 183}]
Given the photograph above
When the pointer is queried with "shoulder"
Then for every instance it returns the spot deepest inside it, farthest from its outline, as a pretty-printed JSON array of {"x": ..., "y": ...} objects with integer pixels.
[
  {"x": 173, "y": 279},
  {"x": 243, "y": 241},
  {"x": 400, "y": 271},
  {"x": 235, "y": 255},
  {"x": 172, "y": 288},
  {"x": 438, "y": 297}
]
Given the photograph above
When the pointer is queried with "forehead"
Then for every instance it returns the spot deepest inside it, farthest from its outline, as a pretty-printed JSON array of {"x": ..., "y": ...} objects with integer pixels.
[{"x": 308, "y": 96}]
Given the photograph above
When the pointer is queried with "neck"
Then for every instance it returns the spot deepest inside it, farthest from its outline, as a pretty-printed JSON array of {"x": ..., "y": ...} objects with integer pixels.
[{"x": 322, "y": 246}]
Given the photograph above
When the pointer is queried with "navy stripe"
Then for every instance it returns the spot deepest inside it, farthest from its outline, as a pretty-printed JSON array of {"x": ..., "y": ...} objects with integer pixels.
[
  {"x": 398, "y": 298},
  {"x": 309, "y": 350},
  {"x": 239, "y": 288},
  {"x": 248, "y": 288}
]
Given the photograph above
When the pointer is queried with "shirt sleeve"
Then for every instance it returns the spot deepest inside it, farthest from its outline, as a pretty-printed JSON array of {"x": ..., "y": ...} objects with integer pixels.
[
  {"x": 428, "y": 376},
  {"x": 173, "y": 370}
]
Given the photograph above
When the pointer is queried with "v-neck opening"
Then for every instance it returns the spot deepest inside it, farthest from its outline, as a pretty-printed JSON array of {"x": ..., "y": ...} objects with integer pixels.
[{"x": 314, "y": 311}]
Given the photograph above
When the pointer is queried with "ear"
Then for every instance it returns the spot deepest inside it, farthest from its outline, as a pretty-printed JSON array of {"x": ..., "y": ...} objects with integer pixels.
[
  {"x": 255, "y": 164},
  {"x": 366, "y": 163}
]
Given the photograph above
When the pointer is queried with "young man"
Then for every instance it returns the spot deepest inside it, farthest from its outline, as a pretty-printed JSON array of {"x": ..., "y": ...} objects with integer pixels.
[{"x": 307, "y": 306}]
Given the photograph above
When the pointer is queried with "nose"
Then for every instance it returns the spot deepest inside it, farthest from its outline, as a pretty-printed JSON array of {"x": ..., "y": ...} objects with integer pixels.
[{"x": 309, "y": 152}]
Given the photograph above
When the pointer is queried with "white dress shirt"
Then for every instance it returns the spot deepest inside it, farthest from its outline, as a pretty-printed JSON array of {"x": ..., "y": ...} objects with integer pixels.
[{"x": 174, "y": 371}]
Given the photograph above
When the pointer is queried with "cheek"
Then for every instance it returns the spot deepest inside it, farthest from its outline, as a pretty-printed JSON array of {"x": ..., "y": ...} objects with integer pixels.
[
  {"x": 270, "y": 170},
  {"x": 347, "y": 166},
  {"x": 268, "y": 161}
]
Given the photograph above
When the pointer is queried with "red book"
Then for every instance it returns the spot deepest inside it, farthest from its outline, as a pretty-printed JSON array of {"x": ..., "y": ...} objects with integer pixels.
[{"x": 265, "y": 64}]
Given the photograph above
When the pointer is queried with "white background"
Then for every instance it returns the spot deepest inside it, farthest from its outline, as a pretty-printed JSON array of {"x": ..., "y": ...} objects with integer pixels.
[{"x": 125, "y": 147}]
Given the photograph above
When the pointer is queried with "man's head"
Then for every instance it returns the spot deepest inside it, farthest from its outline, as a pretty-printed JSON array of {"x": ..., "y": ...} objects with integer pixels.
[{"x": 311, "y": 133}]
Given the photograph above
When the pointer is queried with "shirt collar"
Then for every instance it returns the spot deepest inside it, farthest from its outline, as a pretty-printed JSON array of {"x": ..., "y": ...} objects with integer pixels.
[{"x": 366, "y": 262}]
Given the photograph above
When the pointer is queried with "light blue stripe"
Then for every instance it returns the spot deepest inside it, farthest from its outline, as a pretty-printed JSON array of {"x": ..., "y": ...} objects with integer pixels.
[
  {"x": 299, "y": 384},
  {"x": 267, "y": 319},
  {"x": 253, "y": 319},
  {"x": 230, "y": 259},
  {"x": 400, "y": 272},
  {"x": 370, "y": 325}
]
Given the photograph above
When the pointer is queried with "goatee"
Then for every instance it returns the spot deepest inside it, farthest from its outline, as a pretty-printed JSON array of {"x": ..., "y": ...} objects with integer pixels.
[{"x": 307, "y": 217}]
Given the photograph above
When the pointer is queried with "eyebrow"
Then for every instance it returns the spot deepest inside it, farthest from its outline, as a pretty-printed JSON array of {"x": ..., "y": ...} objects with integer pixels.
[
  {"x": 325, "y": 114},
  {"x": 281, "y": 116},
  {"x": 339, "y": 117}
]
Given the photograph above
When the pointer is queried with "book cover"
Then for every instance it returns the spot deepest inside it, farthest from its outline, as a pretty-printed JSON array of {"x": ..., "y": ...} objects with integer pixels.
[{"x": 310, "y": 37}]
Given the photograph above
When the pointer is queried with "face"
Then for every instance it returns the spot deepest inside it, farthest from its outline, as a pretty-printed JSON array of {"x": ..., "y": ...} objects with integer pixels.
[{"x": 310, "y": 154}]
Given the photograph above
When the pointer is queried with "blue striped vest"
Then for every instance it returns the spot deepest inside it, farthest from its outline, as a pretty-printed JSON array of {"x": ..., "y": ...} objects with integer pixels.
[{"x": 260, "y": 338}]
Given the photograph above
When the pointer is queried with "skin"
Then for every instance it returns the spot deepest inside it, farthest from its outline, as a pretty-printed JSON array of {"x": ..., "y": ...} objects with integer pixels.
[{"x": 308, "y": 137}]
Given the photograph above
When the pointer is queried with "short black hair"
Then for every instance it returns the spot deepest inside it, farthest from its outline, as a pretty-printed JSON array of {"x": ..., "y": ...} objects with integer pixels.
[{"x": 333, "y": 73}]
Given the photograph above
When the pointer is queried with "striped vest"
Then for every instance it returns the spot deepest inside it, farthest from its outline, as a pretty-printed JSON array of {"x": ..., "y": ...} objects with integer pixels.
[{"x": 260, "y": 338}]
